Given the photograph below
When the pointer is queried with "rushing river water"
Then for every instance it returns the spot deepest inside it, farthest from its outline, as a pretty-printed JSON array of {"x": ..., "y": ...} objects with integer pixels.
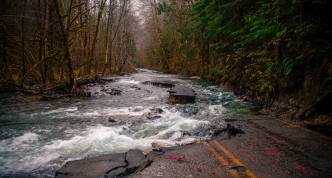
[{"x": 37, "y": 138}]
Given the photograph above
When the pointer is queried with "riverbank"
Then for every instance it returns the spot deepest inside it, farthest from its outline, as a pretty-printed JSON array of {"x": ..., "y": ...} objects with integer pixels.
[{"x": 33, "y": 91}]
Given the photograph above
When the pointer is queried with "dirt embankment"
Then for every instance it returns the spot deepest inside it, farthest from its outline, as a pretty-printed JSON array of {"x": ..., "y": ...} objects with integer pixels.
[{"x": 312, "y": 109}]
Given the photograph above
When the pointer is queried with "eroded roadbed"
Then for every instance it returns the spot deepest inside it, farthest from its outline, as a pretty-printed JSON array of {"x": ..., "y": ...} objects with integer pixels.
[{"x": 265, "y": 148}]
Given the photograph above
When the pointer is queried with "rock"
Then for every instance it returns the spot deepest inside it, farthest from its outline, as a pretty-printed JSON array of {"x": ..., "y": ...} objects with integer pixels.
[
  {"x": 198, "y": 140},
  {"x": 105, "y": 90},
  {"x": 299, "y": 113},
  {"x": 159, "y": 145},
  {"x": 158, "y": 110},
  {"x": 107, "y": 79},
  {"x": 134, "y": 86},
  {"x": 116, "y": 172},
  {"x": 154, "y": 117},
  {"x": 134, "y": 157},
  {"x": 158, "y": 84},
  {"x": 92, "y": 167},
  {"x": 146, "y": 114},
  {"x": 199, "y": 132},
  {"x": 186, "y": 133},
  {"x": 184, "y": 144},
  {"x": 138, "y": 109},
  {"x": 147, "y": 151},
  {"x": 246, "y": 98},
  {"x": 218, "y": 131},
  {"x": 195, "y": 77},
  {"x": 111, "y": 120},
  {"x": 115, "y": 92},
  {"x": 181, "y": 95},
  {"x": 122, "y": 122},
  {"x": 285, "y": 110},
  {"x": 265, "y": 111}
]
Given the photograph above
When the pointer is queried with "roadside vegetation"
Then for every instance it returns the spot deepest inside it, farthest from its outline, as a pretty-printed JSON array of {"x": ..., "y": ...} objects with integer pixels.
[{"x": 281, "y": 48}]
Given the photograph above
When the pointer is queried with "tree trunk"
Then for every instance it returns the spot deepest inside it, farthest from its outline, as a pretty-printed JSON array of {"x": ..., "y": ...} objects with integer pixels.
[
  {"x": 3, "y": 41},
  {"x": 157, "y": 30},
  {"x": 40, "y": 50},
  {"x": 65, "y": 43},
  {"x": 95, "y": 34},
  {"x": 23, "y": 55},
  {"x": 107, "y": 41}
]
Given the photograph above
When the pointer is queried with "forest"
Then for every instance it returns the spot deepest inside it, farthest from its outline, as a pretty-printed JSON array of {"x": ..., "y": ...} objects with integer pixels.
[
  {"x": 57, "y": 42},
  {"x": 281, "y": 48}
]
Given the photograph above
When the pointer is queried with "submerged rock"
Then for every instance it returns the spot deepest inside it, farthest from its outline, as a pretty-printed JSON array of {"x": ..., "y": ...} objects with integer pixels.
[
  {"x": 158, "y": 110},
  {"x": 154, "y": 117},
  {"x": 134, "y": 86},
  {"x": 115, "y": 92},
  {"x": 111, "y": 120}
]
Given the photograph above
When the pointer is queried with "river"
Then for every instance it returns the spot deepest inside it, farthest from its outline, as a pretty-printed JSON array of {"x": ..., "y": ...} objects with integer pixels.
[{"x": 37, "y": 138}]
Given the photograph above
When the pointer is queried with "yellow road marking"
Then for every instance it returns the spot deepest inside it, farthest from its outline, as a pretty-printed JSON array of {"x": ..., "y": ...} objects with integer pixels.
[
  {"x": 251, "y": 174},
  {"x": 235, "y": 173}
]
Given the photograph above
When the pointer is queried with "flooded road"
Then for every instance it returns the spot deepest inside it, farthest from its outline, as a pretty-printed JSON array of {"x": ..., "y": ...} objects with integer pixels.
[{"x": 37, "y": 138}]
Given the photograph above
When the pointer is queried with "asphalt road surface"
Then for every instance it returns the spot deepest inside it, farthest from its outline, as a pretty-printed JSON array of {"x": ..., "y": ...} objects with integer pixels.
[{"x": 252, "y": 146}]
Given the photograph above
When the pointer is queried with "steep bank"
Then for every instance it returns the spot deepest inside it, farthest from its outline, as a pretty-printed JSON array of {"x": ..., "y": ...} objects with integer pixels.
[{"x": 312, "y": 108}]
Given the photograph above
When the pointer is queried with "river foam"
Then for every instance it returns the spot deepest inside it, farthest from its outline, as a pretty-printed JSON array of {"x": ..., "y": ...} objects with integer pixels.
[{"x": 39, "y": 139}]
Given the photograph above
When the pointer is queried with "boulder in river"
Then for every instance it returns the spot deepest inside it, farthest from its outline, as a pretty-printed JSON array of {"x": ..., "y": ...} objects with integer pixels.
[
  {"x": 154, "y": 117},
  {"x": 111, "y": 120},
  {"x": 115, "y": 92},
  {"x": 181, "y": 95},
  {"x": 158, "y": 110}
]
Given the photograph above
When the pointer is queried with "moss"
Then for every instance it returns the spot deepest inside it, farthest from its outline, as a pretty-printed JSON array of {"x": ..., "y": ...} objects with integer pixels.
[{"x": 322, "y": 120}]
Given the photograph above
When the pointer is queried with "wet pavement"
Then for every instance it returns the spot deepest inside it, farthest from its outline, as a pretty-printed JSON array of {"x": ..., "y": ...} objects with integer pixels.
[
  {"x": 261, "y": 147},
  {"x": 269, "y": 148}
]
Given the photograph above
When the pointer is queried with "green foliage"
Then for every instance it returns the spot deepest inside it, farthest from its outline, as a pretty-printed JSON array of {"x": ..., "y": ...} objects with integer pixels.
[{"x": 265, "y": 45}]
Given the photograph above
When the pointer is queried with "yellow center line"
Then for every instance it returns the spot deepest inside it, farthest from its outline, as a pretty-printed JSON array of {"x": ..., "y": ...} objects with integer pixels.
[
  {"x": 235, "y": 173},
  {"x": 248, "y": 171}
]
